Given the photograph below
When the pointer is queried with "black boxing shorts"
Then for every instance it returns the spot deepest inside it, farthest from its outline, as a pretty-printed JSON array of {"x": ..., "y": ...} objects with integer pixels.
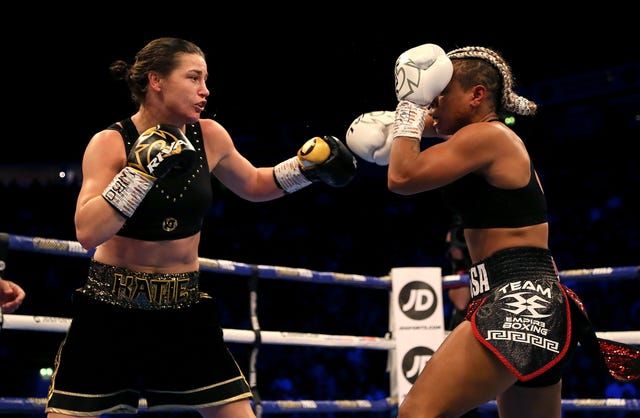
[
  {"x": 116, "y": 353},
  {"x": 520, "y": 311},
  {"x": 523, "y": 314}
]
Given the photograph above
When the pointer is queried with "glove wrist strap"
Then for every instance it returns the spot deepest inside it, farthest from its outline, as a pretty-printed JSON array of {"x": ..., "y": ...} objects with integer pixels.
[
  {"x": 410, "y": 119},
  {"x": 289, "y": 177},
  {"x": 127, "y": 190}
]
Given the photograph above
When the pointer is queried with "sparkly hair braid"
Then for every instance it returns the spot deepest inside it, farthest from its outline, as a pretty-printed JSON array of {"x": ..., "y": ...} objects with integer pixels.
[{"x": 509, "y": 101}]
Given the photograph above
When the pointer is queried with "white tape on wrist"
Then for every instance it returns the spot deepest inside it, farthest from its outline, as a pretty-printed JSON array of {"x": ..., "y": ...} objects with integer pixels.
[
  {"x": 289, "y": 177},
  {"x": 127, "y": 189},
  {"x": 409, "y": 120}
]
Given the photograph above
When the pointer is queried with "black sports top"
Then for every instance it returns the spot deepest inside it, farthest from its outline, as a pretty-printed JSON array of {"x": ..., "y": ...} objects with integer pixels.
[
  {"x": 177, "y": 203},
  {"x": 481, "y": 205}
]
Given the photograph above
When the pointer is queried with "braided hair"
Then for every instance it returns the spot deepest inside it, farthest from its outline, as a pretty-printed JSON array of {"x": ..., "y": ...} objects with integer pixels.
[{"x": 477, "y": 71}]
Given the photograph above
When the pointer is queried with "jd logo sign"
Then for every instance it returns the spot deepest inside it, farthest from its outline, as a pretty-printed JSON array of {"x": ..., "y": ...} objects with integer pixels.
[
  {"x": 417, "y": 300},
  {"x": 413, "y": 362}
]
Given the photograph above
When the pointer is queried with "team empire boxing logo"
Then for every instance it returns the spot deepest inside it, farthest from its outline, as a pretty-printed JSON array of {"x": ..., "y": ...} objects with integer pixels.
[
  {"x": 417, "y": 300},
  {"x": 414, "y": 361},
  {"x": 526, "y": 304}
]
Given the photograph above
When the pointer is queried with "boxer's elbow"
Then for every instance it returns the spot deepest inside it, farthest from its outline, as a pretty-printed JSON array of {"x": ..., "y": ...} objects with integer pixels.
[
  {"x": 87, "y": 240},
  {"x": 404, "y": 183},
  {"x": 400, "y": 184},
  {"x": 90, "y": 236}
]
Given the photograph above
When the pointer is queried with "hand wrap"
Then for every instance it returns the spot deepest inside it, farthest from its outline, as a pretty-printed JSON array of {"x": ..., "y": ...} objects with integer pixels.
[
  {"x": 324, "y": 159},
  {"x": 409, "y": 120},
  {"x": 288, "y": 175},
  {"x": 127, "y": 190}
]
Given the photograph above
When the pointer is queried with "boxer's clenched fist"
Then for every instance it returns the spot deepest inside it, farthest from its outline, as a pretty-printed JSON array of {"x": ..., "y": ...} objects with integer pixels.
[
  {"x": 422, "y": 73},
  {"x": 156, "y": 152},
  {"x": 320, "y": 159},
  {"x": 370, "y": 135}
]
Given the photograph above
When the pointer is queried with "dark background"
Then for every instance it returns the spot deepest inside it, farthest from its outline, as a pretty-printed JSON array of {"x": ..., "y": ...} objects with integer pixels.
[
  {"x": 317, "y": 67},
  {"x": 279, "y": 76}
]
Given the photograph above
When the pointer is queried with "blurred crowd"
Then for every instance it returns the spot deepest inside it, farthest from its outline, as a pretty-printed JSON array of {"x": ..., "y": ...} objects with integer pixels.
[{"x": 362, "y": 228}]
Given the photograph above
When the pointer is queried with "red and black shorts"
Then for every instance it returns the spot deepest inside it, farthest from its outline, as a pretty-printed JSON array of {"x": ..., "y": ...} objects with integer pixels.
[{"x": 523, "y": 314}]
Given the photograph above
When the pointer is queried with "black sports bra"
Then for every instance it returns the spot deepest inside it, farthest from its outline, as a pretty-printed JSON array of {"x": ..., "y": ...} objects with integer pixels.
[
  {"x": 481, "y": 205},
  {"x": 176, "y": 205}
]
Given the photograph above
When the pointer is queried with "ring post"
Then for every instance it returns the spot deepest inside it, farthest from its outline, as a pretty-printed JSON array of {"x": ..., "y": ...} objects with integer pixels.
[{"x": 417, "y": 321}]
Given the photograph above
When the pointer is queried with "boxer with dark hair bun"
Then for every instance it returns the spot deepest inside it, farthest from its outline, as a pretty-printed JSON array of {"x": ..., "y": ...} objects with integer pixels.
[{"x": 141, "y": 327}]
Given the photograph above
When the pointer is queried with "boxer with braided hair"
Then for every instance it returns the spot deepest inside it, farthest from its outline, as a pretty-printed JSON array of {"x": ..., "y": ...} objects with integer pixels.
[
  {"x": 509, "y": 102},
  {"x": 522, "y": 325},
  {"x": 141, "y": 328}
]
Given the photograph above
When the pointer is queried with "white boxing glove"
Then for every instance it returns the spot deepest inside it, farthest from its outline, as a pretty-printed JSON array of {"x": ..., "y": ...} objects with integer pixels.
[
  {"x": 422, "y": 73},
  {"x": 370, "y": 136}
]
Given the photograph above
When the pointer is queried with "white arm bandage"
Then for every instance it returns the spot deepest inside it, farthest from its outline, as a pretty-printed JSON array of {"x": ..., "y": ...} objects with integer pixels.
[{"x": 127, "y": 190}]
